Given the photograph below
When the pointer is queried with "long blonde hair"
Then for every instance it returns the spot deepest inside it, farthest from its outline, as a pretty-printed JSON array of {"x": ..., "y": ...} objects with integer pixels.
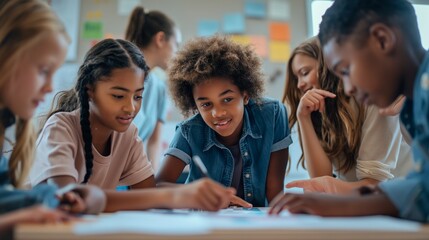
[
  {"x": 23, "y": 22},
  {"x": 339, "y": 127}
]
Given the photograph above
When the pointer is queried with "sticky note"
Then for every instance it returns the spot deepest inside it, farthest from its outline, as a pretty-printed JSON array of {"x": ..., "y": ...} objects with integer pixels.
[
  {"x": 92, "y": 30},
  {"x": 279, "y": 51},
  {"x": 234, "y": 23},
  {"x": 279, "y": 31}
]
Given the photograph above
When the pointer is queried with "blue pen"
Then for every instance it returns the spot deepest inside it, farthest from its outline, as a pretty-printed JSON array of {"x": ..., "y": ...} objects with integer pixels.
[{"x": 200, "y": 165}]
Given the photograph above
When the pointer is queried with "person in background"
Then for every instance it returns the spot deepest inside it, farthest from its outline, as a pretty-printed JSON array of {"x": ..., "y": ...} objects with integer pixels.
[
  {"x": 158, "y": 38},
  {"x": 337, "y": 134}
]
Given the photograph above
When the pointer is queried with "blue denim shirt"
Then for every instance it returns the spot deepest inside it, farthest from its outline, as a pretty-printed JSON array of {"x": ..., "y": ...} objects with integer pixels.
[
  {"x": 265, "y": 130},
  {"x": 12, "y": 199},
  {"x": 411, "y": 196}
]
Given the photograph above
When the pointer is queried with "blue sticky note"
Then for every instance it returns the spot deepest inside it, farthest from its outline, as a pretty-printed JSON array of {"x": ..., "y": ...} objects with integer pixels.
[
  {"x": 207, "y": 28},
  {"x": 234, "y": 23},
  {"x": 256, "y": 9}
]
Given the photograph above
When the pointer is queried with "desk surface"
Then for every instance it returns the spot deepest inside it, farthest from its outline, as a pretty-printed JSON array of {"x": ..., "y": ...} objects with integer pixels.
[{"x": 222, "y": 227}]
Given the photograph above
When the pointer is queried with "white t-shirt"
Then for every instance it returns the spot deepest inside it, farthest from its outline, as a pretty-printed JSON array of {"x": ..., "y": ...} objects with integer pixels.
[
  {"x": 60, "y": 152},
  {"x": 383, "y": 151}
]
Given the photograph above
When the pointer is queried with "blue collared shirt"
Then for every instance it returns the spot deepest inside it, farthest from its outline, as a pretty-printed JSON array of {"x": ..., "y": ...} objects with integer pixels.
[
  {"x": 265, "y": 130},
  {"x": 411, "y": 196}
]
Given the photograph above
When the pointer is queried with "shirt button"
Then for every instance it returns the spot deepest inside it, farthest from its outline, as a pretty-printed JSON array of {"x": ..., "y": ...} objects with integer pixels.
[
  {"x": 249, "y": 194},
  {"x": 425, "y": 81},
  {"x": 245, "y": 154},
  {"x": 247, "y": 175}
]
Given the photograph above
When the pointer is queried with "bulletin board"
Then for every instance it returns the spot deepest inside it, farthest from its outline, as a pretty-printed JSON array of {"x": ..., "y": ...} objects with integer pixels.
[{"x": 274, "y": 27}]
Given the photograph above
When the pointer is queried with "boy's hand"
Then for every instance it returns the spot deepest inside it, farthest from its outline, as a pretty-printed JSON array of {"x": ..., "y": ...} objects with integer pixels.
[
  {"x": 203, "y": 194},
  {"x": 313, "y": 100},
  {"x": 330, "y": 205}
]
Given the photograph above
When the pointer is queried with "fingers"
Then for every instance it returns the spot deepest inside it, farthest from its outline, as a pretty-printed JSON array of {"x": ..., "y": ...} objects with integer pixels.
[
  {"x": 240, "y": 202},
  {"x": 297, "y": 184},
  {"x": 72, "y": 202},
  {"x": 279, "y": 203},
  {"x": 306, "y": 185},
  {"x": 314, "y": 100},
  {"x": 294, "y": 203},
  {"x": 211, "y": 196}
]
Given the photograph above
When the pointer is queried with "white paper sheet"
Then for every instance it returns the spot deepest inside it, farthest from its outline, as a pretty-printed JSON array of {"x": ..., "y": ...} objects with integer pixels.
[
  {"x": 145, "y": 222},
  {"x": 184, "y": 222}
]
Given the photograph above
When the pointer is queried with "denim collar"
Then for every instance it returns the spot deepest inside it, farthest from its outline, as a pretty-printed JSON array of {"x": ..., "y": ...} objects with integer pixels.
[{"x": 249, "y": 129}]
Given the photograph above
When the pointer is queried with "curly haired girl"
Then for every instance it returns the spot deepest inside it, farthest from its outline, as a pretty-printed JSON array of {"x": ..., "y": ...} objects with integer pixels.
[{"x": 241, "y": 137}]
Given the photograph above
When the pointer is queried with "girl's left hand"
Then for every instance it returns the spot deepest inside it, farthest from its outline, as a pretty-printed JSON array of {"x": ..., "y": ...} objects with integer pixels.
[
  {"x": 325, "y": 184},
  {"x": 237, "y": 201}
]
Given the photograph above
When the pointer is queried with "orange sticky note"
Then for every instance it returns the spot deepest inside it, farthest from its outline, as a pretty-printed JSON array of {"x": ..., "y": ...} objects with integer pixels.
[{"x": 279, "y": 31}]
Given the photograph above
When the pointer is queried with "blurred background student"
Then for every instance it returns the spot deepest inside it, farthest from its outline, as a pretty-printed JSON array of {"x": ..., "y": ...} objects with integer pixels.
[{"x": 158, "y": 38}]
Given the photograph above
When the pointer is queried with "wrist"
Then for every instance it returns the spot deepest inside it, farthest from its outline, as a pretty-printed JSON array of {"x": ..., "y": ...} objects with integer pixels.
[
  {"x": 166, "y": 197},
  {"x": 303, "y": 118}
]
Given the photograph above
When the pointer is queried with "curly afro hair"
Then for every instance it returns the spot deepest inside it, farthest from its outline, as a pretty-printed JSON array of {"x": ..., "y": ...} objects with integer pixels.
[{"x": 218, "y": 56}]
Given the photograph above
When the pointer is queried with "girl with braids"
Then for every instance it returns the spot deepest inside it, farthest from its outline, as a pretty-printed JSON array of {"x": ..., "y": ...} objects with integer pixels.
[
  {"x": 242, "y": 137},
  {"x": 33, "y": 44},
  {"x": 336, "y": 133},
  {"x": 158, "y": 38},
  {"x": 89, "y": 138}
]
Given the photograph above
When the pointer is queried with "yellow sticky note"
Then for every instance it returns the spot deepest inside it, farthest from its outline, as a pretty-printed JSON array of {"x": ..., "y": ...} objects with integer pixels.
[
  {"x": 279, "y": 51},
  {"x": 241, "y": 39},
  {"x": 94, "y": 15}
]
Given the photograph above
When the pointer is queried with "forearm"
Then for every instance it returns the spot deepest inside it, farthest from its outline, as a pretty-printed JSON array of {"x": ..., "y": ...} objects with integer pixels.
[
  {"x": 315, "y": 157},
  {"x": 373, "y": 204},
  {"x": 153, "y": 152},
  {"x": 138, "y": 199},
  {"x": 153, "y": 146},
  {"x": 343, "y": 187}
]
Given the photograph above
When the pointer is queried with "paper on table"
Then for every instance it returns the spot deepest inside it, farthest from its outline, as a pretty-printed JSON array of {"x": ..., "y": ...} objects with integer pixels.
[
  {"x": 309, "y": 222},
  {"x": 197, "y": 223},
  {"x": 145, "y": 222}
]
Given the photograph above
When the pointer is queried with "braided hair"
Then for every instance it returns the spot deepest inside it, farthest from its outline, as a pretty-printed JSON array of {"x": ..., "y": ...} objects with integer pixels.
[{"x": 99, "y": 63}]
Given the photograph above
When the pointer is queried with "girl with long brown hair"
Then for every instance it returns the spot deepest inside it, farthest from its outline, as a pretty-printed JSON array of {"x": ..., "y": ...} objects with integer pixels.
[{"x": 339, "y": 136}]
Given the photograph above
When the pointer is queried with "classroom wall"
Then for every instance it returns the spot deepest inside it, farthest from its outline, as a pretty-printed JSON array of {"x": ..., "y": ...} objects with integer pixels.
[{"x": 187, "y": 13}]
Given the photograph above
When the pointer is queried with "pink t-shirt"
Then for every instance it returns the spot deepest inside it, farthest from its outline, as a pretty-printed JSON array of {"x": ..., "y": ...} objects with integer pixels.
[{"x": 60, "y": 152}]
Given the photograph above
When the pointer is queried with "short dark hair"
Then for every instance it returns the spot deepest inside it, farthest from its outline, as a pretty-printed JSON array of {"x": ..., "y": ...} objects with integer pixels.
[
  {"x": 204, "y": 58},
  {"x": 346, "y": 17}
]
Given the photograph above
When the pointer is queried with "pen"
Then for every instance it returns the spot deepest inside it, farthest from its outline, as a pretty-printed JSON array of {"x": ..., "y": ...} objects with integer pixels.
[{"x": 200, "y": 165}]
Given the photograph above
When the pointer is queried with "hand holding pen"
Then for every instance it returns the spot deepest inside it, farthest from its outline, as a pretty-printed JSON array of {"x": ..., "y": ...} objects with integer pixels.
[{"x": 235, "y": 201}]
